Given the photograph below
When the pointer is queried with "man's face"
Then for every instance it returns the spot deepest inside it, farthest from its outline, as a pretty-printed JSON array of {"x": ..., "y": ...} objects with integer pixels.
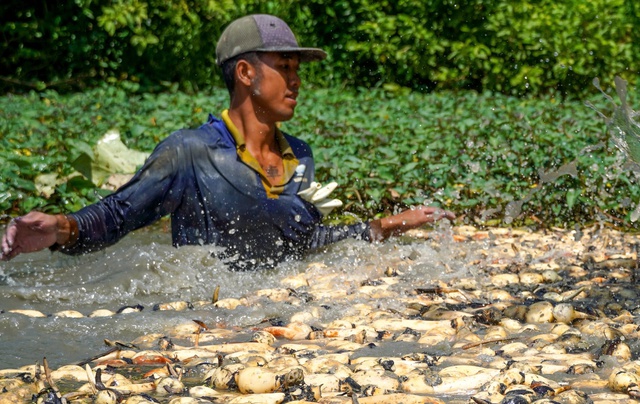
[{"x": 275, "y": 88}]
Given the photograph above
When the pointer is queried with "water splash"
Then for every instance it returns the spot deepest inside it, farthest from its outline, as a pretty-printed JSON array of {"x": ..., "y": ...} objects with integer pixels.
[
  {"x": 514, "y": 208},
  {"x": 625, "y": 134},
  {"x": 623, "y": 128}
]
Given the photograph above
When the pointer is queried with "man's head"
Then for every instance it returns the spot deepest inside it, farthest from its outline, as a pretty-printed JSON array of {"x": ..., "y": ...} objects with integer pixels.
[{"x": 247, "y": 37}]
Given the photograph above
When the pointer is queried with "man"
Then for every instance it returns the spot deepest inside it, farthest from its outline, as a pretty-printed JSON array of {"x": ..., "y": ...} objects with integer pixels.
[{"x": 237, "y": 182}]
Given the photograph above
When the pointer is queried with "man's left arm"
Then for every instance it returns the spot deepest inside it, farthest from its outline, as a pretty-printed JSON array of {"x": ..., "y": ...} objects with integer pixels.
[
  {"x": 380, "y": 229},
  {"x": 412, "y": 218}
]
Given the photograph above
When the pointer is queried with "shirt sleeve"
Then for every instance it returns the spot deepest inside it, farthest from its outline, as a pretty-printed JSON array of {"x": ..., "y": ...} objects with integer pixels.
[
  {"x": 324, "y": 235},
  {"x": 152, "y": 193}
]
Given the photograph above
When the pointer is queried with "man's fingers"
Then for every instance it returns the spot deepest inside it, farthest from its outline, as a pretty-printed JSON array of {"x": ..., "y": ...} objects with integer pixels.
[
  {"x": 449, "y": 215},
  {"x": 437, "y": 213},
  {"x": 8, "y": 251},
  {"x": 9, "y": 255},
  {"x": 8, "y": 240},
  {"x": 10, "y": 234},
  {"x": 4, "y": 252}
]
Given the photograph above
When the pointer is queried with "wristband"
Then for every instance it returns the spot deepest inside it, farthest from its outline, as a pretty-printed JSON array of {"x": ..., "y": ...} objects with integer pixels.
[{"x": 73, "y": 234}]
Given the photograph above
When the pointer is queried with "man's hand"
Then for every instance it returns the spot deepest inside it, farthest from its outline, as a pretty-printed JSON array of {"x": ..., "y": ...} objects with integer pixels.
[
  {"x": 34, "y": 232},
  {"x": 409, "y": 219}
]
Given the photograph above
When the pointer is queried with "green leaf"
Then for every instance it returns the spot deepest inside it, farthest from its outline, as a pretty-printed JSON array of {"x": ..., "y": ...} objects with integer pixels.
[
  {"x": 572, "y": 197},
  {"x": 112, "y": 156}
]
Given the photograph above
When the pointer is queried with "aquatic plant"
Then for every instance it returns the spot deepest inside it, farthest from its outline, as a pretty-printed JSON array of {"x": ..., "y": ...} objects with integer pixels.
[{"x": 489, "y": 157}]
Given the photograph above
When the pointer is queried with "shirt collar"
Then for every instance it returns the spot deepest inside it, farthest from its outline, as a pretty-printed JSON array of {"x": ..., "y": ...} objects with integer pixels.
[
  {"x": 283, "y": 145},
  {"x": 289, "y": 160}
]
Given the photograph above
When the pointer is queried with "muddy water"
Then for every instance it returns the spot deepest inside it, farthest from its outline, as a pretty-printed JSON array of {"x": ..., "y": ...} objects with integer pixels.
[{"x": 144, "y": 269}]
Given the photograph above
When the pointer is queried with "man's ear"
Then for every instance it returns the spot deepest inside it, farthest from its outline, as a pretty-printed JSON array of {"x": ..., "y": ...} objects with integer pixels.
[{"x": 245, "y": 72}]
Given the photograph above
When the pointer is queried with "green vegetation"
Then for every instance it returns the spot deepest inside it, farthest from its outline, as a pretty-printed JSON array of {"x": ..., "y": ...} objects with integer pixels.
[
  {"x": 480, "y": 155},
  {"x": 513, "y": 47},
  {"x": 469, "y": 106}
]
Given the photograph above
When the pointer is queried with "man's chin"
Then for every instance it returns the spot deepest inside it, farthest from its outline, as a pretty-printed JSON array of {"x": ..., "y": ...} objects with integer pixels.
[{"x": 286, "y": 117}]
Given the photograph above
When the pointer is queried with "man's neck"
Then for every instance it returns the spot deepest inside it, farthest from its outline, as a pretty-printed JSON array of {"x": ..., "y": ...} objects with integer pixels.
[
  {"x": 259, "y": 136},
  {"x": 257, "y": 133}
]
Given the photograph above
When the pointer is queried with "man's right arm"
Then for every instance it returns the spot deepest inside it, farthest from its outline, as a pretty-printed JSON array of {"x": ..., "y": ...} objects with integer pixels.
[
  {"x": 152, "y": 193},
  {"x": 138, "y": 203}
]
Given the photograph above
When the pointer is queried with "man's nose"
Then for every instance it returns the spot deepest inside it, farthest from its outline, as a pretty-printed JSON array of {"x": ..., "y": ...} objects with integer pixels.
[{"x": 295, "y": 80}]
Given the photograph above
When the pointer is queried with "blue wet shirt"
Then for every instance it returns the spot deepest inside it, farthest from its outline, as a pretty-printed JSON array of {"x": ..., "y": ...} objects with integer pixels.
[{"x": 213, "y": 197}]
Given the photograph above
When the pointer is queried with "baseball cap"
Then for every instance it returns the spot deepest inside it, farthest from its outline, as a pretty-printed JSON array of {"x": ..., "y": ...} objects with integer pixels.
[{"x": 261, "y": 33}]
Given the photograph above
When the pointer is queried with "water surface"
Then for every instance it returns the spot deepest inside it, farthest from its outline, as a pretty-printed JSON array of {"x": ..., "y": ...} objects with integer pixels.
[{"x": 144, "y": 269}]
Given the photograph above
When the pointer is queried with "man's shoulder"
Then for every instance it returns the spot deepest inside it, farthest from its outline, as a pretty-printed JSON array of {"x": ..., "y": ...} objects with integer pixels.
[{"x": 204, "y": 135}]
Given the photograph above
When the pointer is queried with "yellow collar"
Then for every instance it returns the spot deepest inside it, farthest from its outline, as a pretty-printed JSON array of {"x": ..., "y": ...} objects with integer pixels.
[
  {"x": 283, "y": 145},
  {"x": 289, "y": 160}
]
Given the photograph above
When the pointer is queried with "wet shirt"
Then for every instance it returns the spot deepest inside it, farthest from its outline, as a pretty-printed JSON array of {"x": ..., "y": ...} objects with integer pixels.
[{"x": 215, "y": 195}]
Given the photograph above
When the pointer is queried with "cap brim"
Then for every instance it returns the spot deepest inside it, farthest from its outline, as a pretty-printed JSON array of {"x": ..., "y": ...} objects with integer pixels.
[{"x": 306, "y": 54}]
